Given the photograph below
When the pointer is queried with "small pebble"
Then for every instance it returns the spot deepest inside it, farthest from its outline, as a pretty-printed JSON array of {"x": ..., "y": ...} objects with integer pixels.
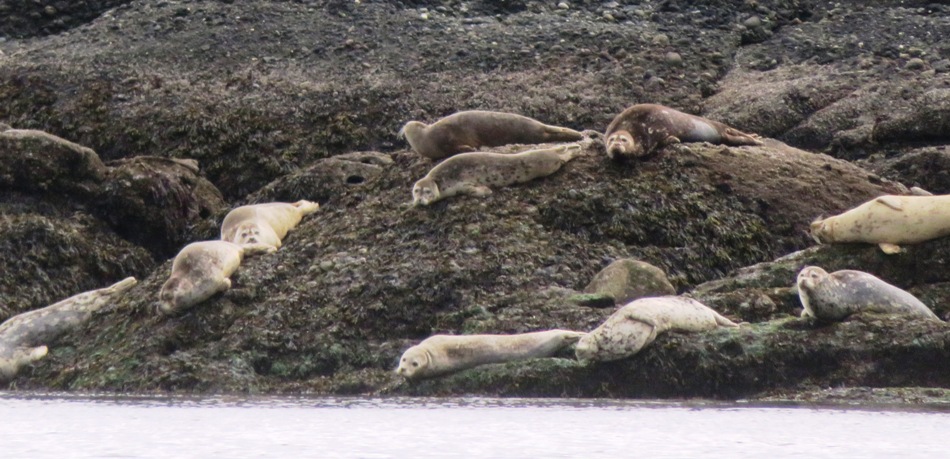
[
  {"x": 673, "y": 59},
  {"x": 915, "y": 64}
]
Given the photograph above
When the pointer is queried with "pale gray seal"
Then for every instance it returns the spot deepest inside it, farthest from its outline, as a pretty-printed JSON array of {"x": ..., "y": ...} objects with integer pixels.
[
  {"x": 264, "y": 223},
  {"x": 442, "y": 354},
  {"x": 23, "y": 338},
  {"x": 201, "y": 270},
  {"x": 835, "y": 296},
  {"x": 888, "y": 221},
  {"x": 638, "y": 323},
  {"x": 468, "y": 131},
  {"x": 643, "y": 128},
  {"x": 473, "y": 173}
]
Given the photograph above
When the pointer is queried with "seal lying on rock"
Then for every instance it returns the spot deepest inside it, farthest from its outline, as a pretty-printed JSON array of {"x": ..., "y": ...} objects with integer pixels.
[
  {"x": 442, "y": 354},
  {"x": 473, "y": 173},
  {"x": 470, "y": 130},
  {"x": 638, "y": 323},
  {"x": 23, "y": 338},
  {"x": 201, "y": 270},
  {"x": 264, "y": 223},
  {"x": 643, "y": 128},
  {"x": 888, "y": 221},
  {"x": 835, "y": 296}
]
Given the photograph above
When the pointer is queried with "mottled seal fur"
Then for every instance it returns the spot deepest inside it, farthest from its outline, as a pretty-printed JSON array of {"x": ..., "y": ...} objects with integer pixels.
[
  {"x": 264, "y": 223},
  {"x": 442, "y": 354},
  {"x": 888, "y": 221},
  {"x": 638, "y": 323},
  {"x": 468, "y": 131},
  {"x": 643, "y": 128},
  {"x": 23, "y": 338},
  {"x": 835, "y": 296},
  {"x": 201, "y": 270},
  {"x": 474, "y": 173}
]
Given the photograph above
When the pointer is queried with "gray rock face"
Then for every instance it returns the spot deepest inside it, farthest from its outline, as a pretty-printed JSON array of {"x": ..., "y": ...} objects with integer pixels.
[{"x": 626, "y": 280}]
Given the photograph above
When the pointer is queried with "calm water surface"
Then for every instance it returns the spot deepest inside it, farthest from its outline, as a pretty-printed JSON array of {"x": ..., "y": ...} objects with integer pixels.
[{"x": 126, "y": 427}]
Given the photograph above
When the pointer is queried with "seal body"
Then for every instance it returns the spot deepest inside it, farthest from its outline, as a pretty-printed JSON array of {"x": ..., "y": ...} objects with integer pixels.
[
  {"x": 468, "y": 131},
  {"x": 643, "y": 128},
  {"x": 835, "y": 296},
  {"x": 442, "y": 354},
  {"x": 201, "y": 270},
  {"x": 474, "y": 173},
  {"x": 23, "y": 338},
  {"x": 888, "y": 221},
  {"x": 639, "y": 322},
  {"x": 266, "y": 224}
]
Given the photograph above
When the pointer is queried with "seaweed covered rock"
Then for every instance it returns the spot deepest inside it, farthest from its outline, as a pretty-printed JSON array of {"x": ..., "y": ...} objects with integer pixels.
[
  {"x": 355, "y": 284},
  {"x": 36, "y": 161},
  {"x": 329, "y": 181},
  {"x": 28, "y": 19},
  {"x": 45, "y": 258},
  {"x": 159, "y": 203}
]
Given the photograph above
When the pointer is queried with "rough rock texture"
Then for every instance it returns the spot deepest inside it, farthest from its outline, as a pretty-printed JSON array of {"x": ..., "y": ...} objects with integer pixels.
[{"x": 266, "y": 95}]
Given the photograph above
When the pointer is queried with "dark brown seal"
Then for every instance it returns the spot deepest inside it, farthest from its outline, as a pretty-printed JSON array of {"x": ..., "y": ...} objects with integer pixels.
[
  {"x": 468, "y": 131},
  {"x": 643, "y": 128}
]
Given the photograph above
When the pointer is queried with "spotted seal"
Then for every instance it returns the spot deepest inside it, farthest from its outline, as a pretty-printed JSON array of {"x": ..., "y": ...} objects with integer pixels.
[
  {"x": 264, "y": 223},
  {"x": 638, "y": 323},
  {"x": 473, "y": 173},
  {"x": 643, "y": 128},
  {"x": 24, "y": 337},
  {"x": 835, "y": 296},
  {"x": 888, "y": 221},
  {"x": 201, "y": 270},
  {"x": 468, "y": 131},
  {"x": 443, "y": 354}
]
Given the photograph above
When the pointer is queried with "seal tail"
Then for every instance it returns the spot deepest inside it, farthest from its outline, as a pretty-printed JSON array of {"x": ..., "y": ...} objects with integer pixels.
[{"x": 561, "y": 134}]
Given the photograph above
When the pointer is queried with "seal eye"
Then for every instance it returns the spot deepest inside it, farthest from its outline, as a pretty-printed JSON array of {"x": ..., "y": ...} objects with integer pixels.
[{"x": 415, "y": 364}]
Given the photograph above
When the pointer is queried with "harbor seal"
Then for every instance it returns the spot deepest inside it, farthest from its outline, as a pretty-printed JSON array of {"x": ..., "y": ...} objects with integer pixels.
[
  {"x": 888, "y": 221},
  {"x": 24, "y": 337},
  {"x": 473, "y": 173},
  {"x": 639, "y": 322},
  {"x": 468, "y": 131},
  {"x": 643, "y": 128},
  {"x": 835, "y": 296},
  {"x": 201, "y": 270},
  {"x": 442, "y": 354},
  {"x": 264, "y": 223}
]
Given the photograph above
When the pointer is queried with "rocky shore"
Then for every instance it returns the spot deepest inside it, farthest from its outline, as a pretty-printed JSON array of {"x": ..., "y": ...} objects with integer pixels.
[{"x": 298, "y": 100}]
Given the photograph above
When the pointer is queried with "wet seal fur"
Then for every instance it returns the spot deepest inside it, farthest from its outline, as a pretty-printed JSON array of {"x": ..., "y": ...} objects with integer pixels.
[
  {"x": 264, "y": 223},
  {"x": 643, "y": 128},
  {"x": 23, "y": 338},
  {"x": 835, "y": 296},
  {"x": 888, "y": 221},
  {"x": 638, "y": 323},
  {"x": 443, "y": 354},
  {"x": 473, "y": 173},
  {"x": 468, "y": 131},
  {"x": 201, "y": 270}
]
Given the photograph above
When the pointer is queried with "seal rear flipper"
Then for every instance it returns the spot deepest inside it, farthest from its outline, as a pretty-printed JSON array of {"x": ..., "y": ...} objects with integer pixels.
[
  {"x": 889, "y": 248},
  {"x": 723, "y": 321},
  {"x": 561, "y": 133}
]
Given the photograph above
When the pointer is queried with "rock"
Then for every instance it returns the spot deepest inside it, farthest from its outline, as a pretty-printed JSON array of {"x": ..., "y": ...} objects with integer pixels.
[
  {"x": 915, "y": 64},
  {"x": 627, "y": 279},
  {"x": 329, "y": 180},
  {"x": 37, "y": 161},
  {"x": 673, "y": 59}
]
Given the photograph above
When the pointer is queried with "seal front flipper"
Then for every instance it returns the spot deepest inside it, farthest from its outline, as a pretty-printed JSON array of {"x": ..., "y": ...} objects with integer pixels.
[
  {"x": 13, "y": 359},
  {"x": 889, "y": 248},
  {"x": 478, "y": 191},
  {"x": 893, "y": 202}
]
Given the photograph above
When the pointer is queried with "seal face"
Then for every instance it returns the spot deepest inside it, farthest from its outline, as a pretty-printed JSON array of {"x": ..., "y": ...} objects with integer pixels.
[
  {"x": 888, "y": 221},
  {"x": 201, "y": 270},
  {"x": 474, "y": 173},
  {"x": 643, "y": 128},
  {"x": 637, "y": 324},
  {"x": 23, "y": 337},
  {"x": 835, "y": 296},
  {"x": 468, "y": 131},
  {"x": 443, "y": 354},
  {"x": 265, "y": 224}
]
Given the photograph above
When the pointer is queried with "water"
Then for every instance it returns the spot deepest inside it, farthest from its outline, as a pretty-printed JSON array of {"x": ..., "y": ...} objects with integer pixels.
[{"x": 111, "y": 427}]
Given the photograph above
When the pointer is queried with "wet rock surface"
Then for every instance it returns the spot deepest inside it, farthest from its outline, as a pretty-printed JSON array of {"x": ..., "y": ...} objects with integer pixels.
[{"x": 272, "y": 99}]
